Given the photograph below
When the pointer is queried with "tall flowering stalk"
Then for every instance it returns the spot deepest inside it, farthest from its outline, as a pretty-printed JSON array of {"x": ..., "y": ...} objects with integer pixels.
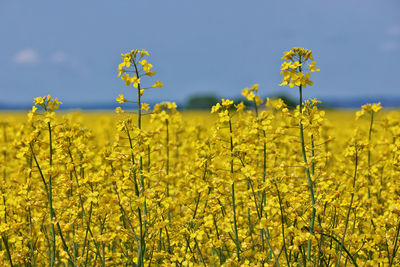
[
  {"x": 226, "y": 116},
  {"x": 369, "y": 109},
  {"x": 49, "y": 105},
  {"x": 164, "y": 113},
  {"x": 133, "y": 68},
  {"x": 296, "y": 72}
]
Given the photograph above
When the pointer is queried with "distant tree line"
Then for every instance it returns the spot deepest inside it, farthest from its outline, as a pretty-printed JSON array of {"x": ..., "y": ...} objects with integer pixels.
[{"x": 206, "y": 101}]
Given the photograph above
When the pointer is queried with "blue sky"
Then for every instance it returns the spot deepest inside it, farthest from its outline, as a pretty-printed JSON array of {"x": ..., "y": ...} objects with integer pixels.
[{"x": 71, "y": 49}]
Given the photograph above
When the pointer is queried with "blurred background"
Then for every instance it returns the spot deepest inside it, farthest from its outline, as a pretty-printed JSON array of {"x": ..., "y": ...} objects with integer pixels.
[{"x": 201, "y": 50}]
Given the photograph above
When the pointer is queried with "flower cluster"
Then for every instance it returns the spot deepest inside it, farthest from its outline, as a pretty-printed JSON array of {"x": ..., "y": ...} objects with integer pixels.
[
  {"x": 297, "y": 67},
  {"x": 368, "y": 108},
  {"x": 135, "y": 63}
]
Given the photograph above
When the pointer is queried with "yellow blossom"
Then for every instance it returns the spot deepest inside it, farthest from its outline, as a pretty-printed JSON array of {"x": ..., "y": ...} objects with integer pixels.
[
  {"x": 158, "y": 84},
  {"x": 119, "y": 110},
  {"x": 145, "y": 106},
  {"x": 121, "y": 98}
]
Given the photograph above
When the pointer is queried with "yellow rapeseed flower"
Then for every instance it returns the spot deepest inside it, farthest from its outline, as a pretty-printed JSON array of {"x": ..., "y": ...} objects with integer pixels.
[{"x": 121, "y": 98}]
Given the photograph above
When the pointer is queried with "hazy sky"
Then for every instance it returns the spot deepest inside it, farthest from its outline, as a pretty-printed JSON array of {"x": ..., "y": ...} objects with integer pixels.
[{"x": 71, "y": 49}]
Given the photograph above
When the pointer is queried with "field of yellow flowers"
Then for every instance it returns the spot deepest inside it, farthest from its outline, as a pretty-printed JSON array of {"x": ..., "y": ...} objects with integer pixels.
[{"x": 258, "y": 185}]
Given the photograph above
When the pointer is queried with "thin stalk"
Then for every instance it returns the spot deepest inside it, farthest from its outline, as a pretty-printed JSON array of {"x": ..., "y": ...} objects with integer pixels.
[
  {"x": 132, "y": 160},
  {"x": 369, "y": 152},
  {"x": 369, "y": 170},
  {"x": 201, "y": 255},
  {"x": 148, "y": 158},
  {"x": 310, "y": 183},
  {"x": 395, "y": 245},
  {"x": 160, "y": 240},
  {"x": 196, "y": 207},
  {"x": 167, "y": 147},
  {"x": 350, "y": 206},
  {"x": 312, "y": 155},
  {"x": 50, "y": 198},
  {"x": 142, "y": 248},
  {"x": 344, "y": 248},
  {"x": 142, "y": 245},
  {"x": 167, "y": 168},
  {"x": 4, "y": 237},
  {"x": 125, "y": 215},
  {"x": 40, "y": 170},
  {"x": 270, "y": 247},
  {"x": 235, "y": 223},
  {"x": 233, "y": 195},
  {"x": 52, "y": 247},
  {"x": 33, "y": 259},
  {"x": 87, "y": 229},
  {"x": 5, "y": 241},
  {"x": 283, "y": 226},
  {"x": 102, "y": 223},
  {"x": 259, "y": 214},
  {"x": 263, "y": 197},
  {"x": 97, "y": 249},
  {"x": 254, "y": 197},
  {"x": 76, "y": 180}
]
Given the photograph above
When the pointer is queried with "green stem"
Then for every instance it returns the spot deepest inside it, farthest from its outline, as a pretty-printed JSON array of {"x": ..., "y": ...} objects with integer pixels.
[
  {"x": 233, "y": 194},
  {"x": 5, "y": 241},
  {"x": 132, "y": 160},
  {"x": 344, "y": 248},
  {"x": 97, "y": 248},
  {"x": 167, "y": 145},
  {"x": 310, "y": 183},
  {"x": 50, "y": 198},
  {"x": 201, "y": 255},
  {"x": 76, "y": 180},
  {"x": 270, "y": 247},
  {"x": 369, "y": 152},
  {"x": 283, "y": 226},
  {"x": 349, "y": 210},
  {"x": 312, "y": 154},
  {"x": 33, "y": 259},
  {"x": 87, "y": 229},
  {"x": 395, "y": 245},
  {"x": 142, "y": 239},
  {"x": 235, "y": 223}
]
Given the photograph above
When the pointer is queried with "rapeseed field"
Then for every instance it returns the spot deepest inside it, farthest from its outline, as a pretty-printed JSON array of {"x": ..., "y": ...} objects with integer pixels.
[{"x": 256, "y": 185}]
